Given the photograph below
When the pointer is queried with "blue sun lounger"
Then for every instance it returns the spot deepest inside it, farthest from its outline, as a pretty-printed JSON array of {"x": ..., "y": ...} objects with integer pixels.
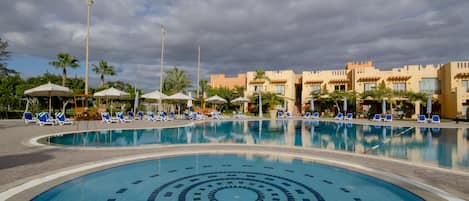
[
  {"x": 120, "y": 116},
  {"x": 377, "y": 117},
  {"x": 61, "y": 119},
  {"x": 388, "y": 118},
  {"x": 316, "y": 115},
  {"x": 339, "y": 116},
  {"x": 107, "y": 118},
  {"x": 436, "y": 119},
  {"x": 28, "y": 118},
  {"x": 44, "y": 119},
  {"x": 421, "y": 119},
  {"x": 349, "y": 116}
]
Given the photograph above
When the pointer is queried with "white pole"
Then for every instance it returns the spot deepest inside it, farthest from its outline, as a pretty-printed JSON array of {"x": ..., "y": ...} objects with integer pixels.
[
  {"x": 260, "y": 103},
  {"x": 89, "y": 3},
  {"x": 198, "y": 71},
  {"x": 163, "y": 32}
]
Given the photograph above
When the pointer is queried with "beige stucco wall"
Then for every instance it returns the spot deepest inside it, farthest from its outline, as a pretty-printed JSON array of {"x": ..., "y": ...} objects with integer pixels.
[
  {"x": 452, "y": 96},
  {"x": 283, "y": 77}
]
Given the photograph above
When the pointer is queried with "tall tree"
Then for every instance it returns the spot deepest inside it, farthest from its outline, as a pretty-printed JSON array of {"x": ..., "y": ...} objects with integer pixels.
[
  {"x": 203, "y": 86},
  {"x": 63, "y": 61},
  {"x": 4, "y": 56},
  {"x": 176, "y": 80},
  {"x": 103, "y": 69},
  {"x": 260, "y": 75}
]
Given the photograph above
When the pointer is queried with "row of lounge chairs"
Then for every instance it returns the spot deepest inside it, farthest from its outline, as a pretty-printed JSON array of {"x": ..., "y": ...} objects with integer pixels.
[
  {"x": 284, "y": 115},
  {"x": 44, "y": 118},
  {"x": 120, "y": 117},
  {"x": 422, "y": 119}
]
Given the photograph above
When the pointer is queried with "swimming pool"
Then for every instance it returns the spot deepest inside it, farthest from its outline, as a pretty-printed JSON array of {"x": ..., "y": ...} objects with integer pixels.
[
  {"x": 444, "y": 147},
  {"x": 226, "y": 178}
]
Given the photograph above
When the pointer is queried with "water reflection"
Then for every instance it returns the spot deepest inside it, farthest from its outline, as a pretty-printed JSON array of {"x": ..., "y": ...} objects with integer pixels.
[{"x": 445, "y": 147}]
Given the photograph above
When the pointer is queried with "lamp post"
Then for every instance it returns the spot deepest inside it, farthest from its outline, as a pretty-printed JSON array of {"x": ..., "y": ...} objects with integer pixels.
[
  {"x": 89, "y": 3},
  {"x": 198, "y": 71},
  {"x": 163, "y": 33},
  {"x": 260, "y": 101}
]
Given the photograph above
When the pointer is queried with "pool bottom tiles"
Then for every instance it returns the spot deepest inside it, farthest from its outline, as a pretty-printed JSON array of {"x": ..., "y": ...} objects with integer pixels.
[{"x": 226, "y": 178}]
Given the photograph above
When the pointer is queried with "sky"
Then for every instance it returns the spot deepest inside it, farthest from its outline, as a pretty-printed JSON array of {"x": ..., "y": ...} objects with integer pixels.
[{"x": 234, "y": 36}]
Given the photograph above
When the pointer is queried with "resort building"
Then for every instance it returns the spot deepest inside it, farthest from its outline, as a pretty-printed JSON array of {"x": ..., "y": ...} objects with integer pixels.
[{"x": 448, "y": 84}]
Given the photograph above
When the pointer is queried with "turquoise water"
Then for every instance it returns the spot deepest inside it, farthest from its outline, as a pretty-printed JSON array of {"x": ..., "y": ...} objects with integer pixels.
[
  {"x": 444, "y": 147},
  {"x": 226, "y": 178}
]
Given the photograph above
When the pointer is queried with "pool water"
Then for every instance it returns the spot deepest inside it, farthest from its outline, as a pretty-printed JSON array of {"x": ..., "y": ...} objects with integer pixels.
[
  {"x": 226, "y": 178},
  {"x": 444, "y": 147}
]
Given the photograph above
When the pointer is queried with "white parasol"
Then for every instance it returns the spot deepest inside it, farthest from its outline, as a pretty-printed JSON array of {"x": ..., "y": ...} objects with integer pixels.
[{"x": 49, "y": 90}]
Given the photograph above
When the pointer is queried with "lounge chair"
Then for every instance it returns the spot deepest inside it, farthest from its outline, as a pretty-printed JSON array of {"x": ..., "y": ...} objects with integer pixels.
[
  {"x": 28, "y": 118},
  {"x": 140, "y": 115},
  {"x": 131, "y": 115},
  {"x": 316, "y": 115},
  {"x": 241, "y": 115},
  {"x": 44, "y": 119},
  {"x": 61, "y": 119},
  {"x": 235, "y": 115},
  {"x": 120, "y": 116},
  {"x": 388, "y": 118},
  {"x": 377, "y": 117},
  {"x": 198, "y": 116},
  {"x": 107, "y": 118},
  {"x": 421, "y": 119},
  {"x": 349, "y": 116},
  {"x": 307, "y": 115},
  {"x": 151, "y": 116},
  {"x": 187, "y": 116},
  {"x": 436, "y": 119},
  {"x": 339, "y": 116},
  {"x": 220, "y": 115},
  {"x": 280, "y": 115},
  {"x": 172, "y": 116},
  {"x": 287, "y": 114},
  {"x": 162, "y": 116}
]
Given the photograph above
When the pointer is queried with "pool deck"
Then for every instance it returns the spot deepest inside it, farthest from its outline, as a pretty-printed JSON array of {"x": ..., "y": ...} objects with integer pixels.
[{"x": 21, "y": 161}]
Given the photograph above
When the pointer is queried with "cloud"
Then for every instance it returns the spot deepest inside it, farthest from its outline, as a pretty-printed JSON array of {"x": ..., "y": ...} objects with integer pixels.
[{"x": 237, "y": 36}]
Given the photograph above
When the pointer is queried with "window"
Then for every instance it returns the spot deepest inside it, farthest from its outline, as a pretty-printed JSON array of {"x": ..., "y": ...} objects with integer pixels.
[
  {"x": 465, "y": 85},
  {"x": 257, "y": 88},
  {"x": 280, "y": 89},
  {"x": 315, "y": 88},
  {"x": 430, "y": 85},
  {"x": 369, "y": 86},
  {"x": 398, "y": 86},
  {"x": 340, "y": 87}
]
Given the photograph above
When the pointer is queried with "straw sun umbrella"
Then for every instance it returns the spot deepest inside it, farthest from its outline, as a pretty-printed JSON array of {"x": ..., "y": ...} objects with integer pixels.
[
  {"x": 240, "y": 100},
  {"x": 156, "y": 95},
  {"x": 49, "y": 90},
  {"x": 216, "y": 100},
  {"x": 179, "y": 97},
  {"x": 111, "y": 93}
]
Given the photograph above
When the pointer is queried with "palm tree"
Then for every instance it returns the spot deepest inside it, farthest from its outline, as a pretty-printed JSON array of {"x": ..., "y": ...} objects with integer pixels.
[
  {"x": 5, "y": 55},
  {"x": 103, "y": 69},
  {"x": 260, "y": 75},
  {"x": 176, "y": 80},
  {"x": 63, "y": 61},
  {"x": 203, "y": 86}
]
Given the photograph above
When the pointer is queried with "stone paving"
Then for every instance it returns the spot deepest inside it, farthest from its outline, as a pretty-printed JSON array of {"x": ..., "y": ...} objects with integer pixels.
[{"x": 21, "y": 161}]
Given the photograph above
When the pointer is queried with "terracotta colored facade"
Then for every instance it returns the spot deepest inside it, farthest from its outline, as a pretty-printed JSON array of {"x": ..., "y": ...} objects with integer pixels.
[{"x": 220, "y": 81}]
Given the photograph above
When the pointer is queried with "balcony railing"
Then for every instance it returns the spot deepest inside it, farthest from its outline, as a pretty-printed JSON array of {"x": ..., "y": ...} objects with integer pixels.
[{"x": 435, "y": 91}]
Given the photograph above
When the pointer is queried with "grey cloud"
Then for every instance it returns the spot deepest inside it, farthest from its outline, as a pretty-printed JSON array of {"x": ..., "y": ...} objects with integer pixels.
[{"x": 236, "y": 36}]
